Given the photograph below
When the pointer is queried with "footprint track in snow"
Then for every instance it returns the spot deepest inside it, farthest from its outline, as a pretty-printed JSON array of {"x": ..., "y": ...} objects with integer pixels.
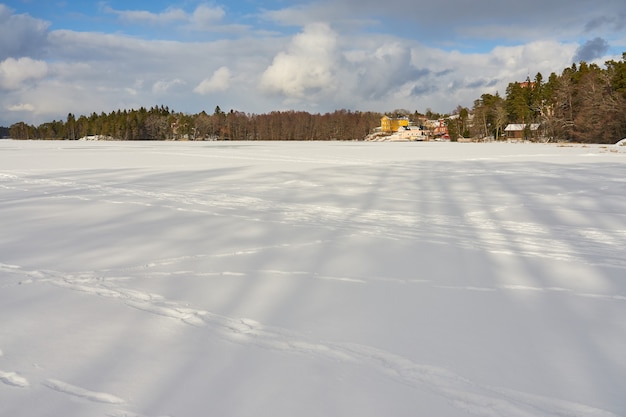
[
  {"x": 73, "y": 390},
  {"x": 13, "y": 379},
  {"x": 463, "y": 393},
  {"x": 525, "y": 238}
]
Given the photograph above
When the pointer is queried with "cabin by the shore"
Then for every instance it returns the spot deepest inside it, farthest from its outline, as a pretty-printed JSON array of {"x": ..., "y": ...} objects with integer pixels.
[{"x": 521, "y": 130}]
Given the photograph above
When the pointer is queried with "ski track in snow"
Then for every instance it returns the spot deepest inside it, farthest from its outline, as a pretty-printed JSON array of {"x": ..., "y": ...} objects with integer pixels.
[{"x": 467, "y": 395}]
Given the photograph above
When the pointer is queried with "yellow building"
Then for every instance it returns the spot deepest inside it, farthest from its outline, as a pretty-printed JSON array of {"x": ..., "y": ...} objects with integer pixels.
[{"x": 388, "y": 124}]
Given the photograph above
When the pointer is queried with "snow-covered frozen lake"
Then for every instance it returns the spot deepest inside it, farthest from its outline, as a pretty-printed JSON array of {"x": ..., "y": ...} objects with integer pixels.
[{"x": 312, "y": 279}]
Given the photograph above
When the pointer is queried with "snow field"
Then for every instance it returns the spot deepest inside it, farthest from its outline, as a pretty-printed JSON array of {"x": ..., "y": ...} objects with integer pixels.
[{"x": 310, "y": 279}]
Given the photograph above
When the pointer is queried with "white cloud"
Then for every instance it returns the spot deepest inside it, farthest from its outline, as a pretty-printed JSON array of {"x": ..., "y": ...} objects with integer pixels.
[
  {"x": 205, "y": 16},
  {"x": 219, "y": 81},
  {"x": 21, "y": 107},
  {"x": 307, "y": 65},
  {"x": 202, "y": 17},
  {"x": 20, "y": 34},
  {"x": 384, "y": 70},
  {"x": 14, "y": 72},
  {"x": 163, "y": 86},
  {"x": 320, "y": 68},
  {"x": 528, "y": 59},
  {"x": 142, "y": 16}
]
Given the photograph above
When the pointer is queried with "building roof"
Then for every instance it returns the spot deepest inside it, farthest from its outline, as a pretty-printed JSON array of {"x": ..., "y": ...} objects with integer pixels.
[{"x": 516, "y": 127}]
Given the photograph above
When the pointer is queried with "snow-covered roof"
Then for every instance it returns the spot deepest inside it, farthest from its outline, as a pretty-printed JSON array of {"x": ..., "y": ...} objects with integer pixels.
[{"x": 514, "y": 127}]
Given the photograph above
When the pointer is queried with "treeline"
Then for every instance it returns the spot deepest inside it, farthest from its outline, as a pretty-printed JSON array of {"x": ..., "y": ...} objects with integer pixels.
[
  {"x": 161, "y": 123},
  {"x": 585, "y": 103}
]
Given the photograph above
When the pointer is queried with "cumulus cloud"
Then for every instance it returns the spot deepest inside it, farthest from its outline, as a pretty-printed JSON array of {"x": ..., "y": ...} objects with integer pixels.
[
  {"x": 385, "y": 71},
  {"x": 372, "y": 58},
  {"x": 306, "y": 66},
  {"x": 20, "y": 34},
  {"x": 14, "y": 72},
  {"x": 219, "y": 81},
  {"x": 592, "y": 49},
  {"x": 163, "y": 86}
]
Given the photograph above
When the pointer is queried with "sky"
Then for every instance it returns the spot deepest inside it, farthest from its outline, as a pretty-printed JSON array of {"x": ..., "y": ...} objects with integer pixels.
[{"x": 258, "y": 56}]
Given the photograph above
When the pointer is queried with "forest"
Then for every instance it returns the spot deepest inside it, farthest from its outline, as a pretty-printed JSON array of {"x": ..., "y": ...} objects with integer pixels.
[
  {"x": 161, "y": 123},
  {"x": 586, "y": 103}
]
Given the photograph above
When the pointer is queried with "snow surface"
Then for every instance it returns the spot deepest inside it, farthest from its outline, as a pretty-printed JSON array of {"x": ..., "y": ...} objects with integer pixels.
[{"x": 312, "y": 279}]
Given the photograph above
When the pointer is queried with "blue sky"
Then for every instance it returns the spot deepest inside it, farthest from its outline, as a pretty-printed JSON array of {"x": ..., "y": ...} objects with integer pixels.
[{"x": 258, "y": 56}]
